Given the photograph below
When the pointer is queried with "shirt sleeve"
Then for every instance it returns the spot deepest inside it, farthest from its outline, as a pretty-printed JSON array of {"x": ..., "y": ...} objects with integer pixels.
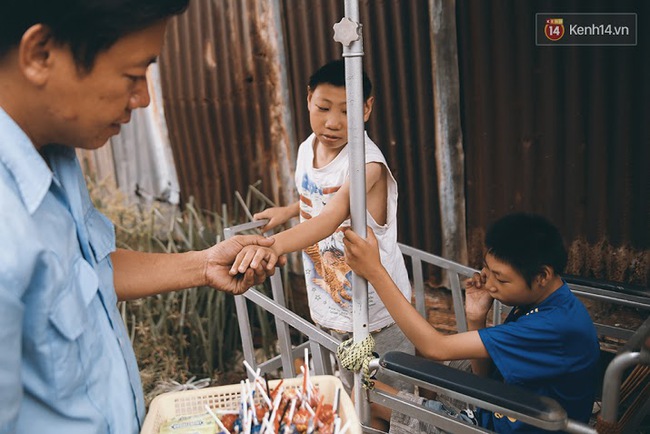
[
  {"x": 528, "y": 349},
  {"x": 19, "y": 256}
]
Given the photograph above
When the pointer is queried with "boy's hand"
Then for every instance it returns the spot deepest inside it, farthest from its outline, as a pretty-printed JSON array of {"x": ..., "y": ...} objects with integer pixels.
[
  {"x": 277, "y": 216},
  {"x": 254, "y": 257},
  {"x": 478, "y": 299},
  {"x": 362, "y": 255}
]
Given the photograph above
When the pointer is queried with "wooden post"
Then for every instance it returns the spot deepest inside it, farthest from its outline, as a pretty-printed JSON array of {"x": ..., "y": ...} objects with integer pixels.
[{"x": 450, "y": 158}]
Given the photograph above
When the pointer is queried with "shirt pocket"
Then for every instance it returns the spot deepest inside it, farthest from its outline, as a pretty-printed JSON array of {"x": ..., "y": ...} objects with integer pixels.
[
  {"x": 71, "y": 327},
  {"x": 101, "y": 235}
]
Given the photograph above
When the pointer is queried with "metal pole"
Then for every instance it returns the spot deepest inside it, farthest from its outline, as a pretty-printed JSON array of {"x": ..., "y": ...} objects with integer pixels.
[
  {"x": 612, "y": 384},
  {"x": 348, "y": 32}
]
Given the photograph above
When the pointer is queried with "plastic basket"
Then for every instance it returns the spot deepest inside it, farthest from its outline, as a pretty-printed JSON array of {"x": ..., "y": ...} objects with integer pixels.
[{"x": 173, "y": 404}]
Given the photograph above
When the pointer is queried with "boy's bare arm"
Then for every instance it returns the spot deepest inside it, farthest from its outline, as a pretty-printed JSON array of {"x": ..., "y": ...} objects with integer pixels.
[
  {"x": 330, "y": 218},
  {"x": 363, "y": 257},
  {"x": 277, "y": 215}
]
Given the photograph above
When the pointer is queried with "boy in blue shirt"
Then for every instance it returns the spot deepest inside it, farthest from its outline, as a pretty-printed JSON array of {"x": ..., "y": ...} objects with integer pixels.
[{"x": 547, "y": 344}]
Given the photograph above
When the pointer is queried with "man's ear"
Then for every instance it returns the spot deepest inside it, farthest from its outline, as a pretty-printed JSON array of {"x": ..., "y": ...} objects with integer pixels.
[
  {"x": 367, "y": 108},
  {"x": 35, "y": 54},
  {"x": 310, "y": 92}
]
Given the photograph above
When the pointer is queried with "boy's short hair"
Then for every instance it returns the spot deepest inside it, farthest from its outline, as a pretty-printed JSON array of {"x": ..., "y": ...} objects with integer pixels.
[
  {"x": 87, "y": 26},
  {"x": 527, "y": 242},
  {"x": 334, "y": 73}
]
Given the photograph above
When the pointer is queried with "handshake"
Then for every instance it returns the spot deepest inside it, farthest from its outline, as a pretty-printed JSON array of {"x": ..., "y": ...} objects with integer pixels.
[{"x": 240, "y": 262}]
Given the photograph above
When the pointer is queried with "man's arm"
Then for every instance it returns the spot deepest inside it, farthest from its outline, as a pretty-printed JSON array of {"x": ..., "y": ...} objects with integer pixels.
[
  {"x": 138, "y": 274},
  {"x": 363, "y": 257},
  {"x": 330, "y": 218}
]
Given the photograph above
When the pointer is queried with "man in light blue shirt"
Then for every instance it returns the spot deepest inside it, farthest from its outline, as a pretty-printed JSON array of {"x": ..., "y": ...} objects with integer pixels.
[{"x": 71, "y": 72}]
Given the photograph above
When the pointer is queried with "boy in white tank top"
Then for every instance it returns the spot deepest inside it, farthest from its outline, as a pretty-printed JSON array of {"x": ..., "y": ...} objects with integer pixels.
[{"x": 322, "y": 180}]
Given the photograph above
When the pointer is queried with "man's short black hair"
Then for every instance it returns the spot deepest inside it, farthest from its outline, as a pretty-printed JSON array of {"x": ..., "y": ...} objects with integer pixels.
[
  {"x": 527, "y": 242},
  {"x": 334, "y": 73},
  {"x": 88, "y": 27}
]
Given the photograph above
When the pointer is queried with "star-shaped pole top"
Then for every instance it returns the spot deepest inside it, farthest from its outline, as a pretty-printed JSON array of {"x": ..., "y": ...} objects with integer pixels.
[{"x": 347, "y": 31}]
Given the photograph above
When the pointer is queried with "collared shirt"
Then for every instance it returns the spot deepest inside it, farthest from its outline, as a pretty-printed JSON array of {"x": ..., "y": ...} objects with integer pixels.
[
  {"x": 66, "y": 362},
  {"x": 551, "y": 349}
]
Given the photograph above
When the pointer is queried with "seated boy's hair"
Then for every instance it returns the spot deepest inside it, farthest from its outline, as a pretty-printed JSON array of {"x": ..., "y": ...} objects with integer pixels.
[
  {"x": 334, "y": 73},
  {"x": 527, "y": 242}
]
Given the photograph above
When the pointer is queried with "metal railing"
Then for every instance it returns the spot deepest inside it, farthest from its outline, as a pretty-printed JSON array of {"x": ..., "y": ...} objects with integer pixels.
[
  {"x": 322, "y": 345},
  {"x": 320, "y": 342}
]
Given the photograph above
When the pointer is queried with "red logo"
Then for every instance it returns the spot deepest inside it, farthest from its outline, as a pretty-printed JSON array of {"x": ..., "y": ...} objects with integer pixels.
[{"x": 554, "y": 29}]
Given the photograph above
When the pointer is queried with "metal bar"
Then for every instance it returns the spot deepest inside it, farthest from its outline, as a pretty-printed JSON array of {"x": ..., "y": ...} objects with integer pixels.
[
  {"x": 370, "y": 430},
  {"x": 615, "y": 297},
  {"x": 245, "y": 330},
  {"x": 294, "y": 320},
  {"x": 319, "y": 359},
  {"x": 612, "y": 383},
  {"x": 614, "y": 332},
  {"x": 298, "y": 351},
  {"x": 284, "y": 335},
  {"x": 234, "y": 230},
  {"x": 276, "y": 362},
  {"x": 498, "y": 309},
  {"x": 579, "y": 428},
  {"x": 418, "y": 283},
  {"x": 353, "y": 53},
  {"x": 496, "y": 312},
  {"x": 459, "y": 306},
  {"x": 639, "y": 338},
  {"x": 437, "y": 260},
  {"x": 549, "y": 425},
  {"x": 240, "y": 301},
  {"x": 424, "y": 414}
]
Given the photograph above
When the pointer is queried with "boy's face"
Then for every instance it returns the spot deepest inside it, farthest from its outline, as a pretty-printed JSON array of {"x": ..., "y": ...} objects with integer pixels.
[
  {"x": 84, "y": 109},
  {"x": 327, "y": 107},
  {"x": 506, "y": 284}
]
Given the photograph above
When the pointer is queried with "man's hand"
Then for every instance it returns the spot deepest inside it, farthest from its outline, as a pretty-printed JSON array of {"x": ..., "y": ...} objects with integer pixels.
[
  {"x": 362, "y": 255},
  {"x": 478, "y": 299},
  {"x": 220, "y": 257}
]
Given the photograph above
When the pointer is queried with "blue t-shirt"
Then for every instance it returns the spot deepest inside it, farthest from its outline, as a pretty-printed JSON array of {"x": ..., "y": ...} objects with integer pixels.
[{"x": 551, "y": 349}]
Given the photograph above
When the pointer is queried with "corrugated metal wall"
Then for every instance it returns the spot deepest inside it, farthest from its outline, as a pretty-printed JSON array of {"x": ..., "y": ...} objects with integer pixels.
[
  {"x": 562, "y": 131},
  {"x": 215, "y": 91},
  {"x": 559, "y": 131},
  {"x": 219, "y": 91},
  {"x": 398, "y": 61}
]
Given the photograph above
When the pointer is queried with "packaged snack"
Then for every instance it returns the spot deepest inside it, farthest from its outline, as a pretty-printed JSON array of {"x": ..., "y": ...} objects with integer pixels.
[{"x": 195, "y": 424}]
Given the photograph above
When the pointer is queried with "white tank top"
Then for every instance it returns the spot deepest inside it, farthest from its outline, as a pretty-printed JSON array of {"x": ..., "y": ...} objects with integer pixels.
[{"x": 327, "y": 275}]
